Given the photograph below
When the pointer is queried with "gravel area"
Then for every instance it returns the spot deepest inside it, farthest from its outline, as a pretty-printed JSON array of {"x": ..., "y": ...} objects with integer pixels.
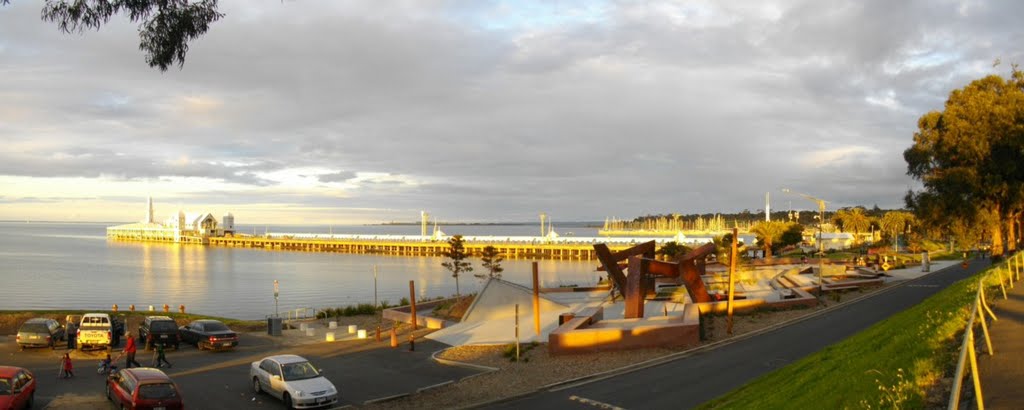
[{"x": 540, "y": 369}]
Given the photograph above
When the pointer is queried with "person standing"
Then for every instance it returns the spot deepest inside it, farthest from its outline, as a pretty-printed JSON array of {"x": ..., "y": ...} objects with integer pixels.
[
  {"x": 160, "y": 357},
  {"x": 67, "y": 370},
  {"x": 129, "y": 351}
]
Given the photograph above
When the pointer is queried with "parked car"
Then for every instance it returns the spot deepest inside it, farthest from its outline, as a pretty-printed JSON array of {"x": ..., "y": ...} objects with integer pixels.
[
  {"x": 17, "y": 388},
  {"x": 143, "y": 388},
  {"x": 40, "y": 332},
  {"x": 99, "y": 330},
  {"x": 158, "y": 329},
  {"x": 294, "y": 380},
  {"x": 209, "y": 334}
]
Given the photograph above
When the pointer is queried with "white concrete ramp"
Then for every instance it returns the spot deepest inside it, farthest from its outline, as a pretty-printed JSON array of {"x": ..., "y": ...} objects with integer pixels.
[{"x": 491, "y": 317}]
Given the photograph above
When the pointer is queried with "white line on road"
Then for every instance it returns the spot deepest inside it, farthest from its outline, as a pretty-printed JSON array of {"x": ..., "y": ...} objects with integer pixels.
[{"x": 595, "y": 403}]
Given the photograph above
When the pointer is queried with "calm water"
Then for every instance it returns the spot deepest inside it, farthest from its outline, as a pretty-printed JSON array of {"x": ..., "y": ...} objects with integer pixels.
[{"x": 49, "y": 265}]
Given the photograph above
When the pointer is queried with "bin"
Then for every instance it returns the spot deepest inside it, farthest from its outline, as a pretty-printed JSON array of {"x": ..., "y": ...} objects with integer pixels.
[{"x": 274, "y": 326}]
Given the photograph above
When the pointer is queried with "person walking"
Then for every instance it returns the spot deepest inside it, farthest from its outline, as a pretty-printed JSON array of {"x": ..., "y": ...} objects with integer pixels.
[
  {"x": 160, "y": 357},
  {"x": 66, "y": 369},
  {"x": 70, "y": 333},
  {"x": 129, "y": 352}
]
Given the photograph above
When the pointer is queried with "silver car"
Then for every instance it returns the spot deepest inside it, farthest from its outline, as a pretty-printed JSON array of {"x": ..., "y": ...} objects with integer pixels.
[
  {"x": 40, "y": 332},
  {"x": 294, "y": 380}
]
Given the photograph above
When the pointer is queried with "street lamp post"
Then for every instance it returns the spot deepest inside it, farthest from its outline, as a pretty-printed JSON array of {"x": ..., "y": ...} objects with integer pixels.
[{"x": 821, "y": 243}]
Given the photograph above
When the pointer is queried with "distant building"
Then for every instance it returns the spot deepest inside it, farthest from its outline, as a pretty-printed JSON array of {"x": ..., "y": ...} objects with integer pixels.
[
  {"x": 834, "y": 240},
  {"x": 192, "y": 227}
]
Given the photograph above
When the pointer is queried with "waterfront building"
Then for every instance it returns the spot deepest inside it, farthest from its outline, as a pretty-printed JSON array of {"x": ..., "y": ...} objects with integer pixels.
[{"x": 192, "y": 227}]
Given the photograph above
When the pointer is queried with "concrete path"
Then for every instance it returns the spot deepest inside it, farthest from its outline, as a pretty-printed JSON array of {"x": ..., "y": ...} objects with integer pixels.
[
  {"x": 690, "y": 381},
  {"x": 1002, "y": 374}
]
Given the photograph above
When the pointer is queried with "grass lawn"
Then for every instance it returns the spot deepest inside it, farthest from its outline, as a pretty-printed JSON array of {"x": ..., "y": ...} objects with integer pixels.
[{"x": 892, "y": 364}]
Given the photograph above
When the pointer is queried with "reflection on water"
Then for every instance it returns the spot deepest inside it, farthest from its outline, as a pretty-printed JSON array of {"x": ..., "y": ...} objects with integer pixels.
[{"x": 45, "y": 266}]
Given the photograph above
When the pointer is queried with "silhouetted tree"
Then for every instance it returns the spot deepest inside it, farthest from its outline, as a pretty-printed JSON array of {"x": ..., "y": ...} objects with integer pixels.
[
  {"x": 165, "y": 26},
  {"x": 457, "y": 264},
  {"x": 491, "y": 260}
]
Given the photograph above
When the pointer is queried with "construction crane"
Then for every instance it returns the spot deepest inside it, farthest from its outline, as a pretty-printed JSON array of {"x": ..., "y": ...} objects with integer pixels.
[{"x": 821, "y": 243}]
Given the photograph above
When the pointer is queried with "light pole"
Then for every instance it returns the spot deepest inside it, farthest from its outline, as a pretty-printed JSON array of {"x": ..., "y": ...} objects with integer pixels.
[{"x": 821, "y": 243}]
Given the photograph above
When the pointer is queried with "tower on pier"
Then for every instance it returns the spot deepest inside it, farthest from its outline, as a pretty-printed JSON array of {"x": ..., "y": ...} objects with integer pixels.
[{"x": 149, "y": 213}]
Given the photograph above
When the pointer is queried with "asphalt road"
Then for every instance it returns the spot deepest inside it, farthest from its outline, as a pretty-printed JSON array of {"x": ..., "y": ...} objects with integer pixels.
[
  {"x": 362, "y": 370},
  {"x": 696, "y": 379}
]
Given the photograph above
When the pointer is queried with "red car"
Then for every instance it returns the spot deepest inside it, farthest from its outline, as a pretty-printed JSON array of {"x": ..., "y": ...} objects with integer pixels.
[
  {"x": 143, "y": 388},
  {"x": 17, "y": 388}
]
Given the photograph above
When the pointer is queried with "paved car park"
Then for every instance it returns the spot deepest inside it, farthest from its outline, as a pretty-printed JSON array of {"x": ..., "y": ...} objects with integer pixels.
[{"x": 362, "y": 370}]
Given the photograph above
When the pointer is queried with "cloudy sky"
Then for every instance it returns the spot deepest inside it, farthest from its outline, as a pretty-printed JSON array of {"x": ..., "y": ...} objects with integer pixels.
[{"x": 330, "y": 111}]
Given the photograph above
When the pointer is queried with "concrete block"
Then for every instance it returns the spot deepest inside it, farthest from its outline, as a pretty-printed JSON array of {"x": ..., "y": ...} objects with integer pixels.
[
  {"x": 352, "y": 329},
  {"x": 361, "y": 334},
  {"x": 330, "y": 336},
  {"x": 310, "y": 331},
  {"x": 333, "y": 325}
]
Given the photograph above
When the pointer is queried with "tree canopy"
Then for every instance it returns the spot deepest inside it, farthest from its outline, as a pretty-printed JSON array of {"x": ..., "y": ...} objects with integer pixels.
[
  {"x": 165, "y": 26},
  {"x": 968, "y": 158},
  {"x": 457, "y": 263},
  {"x": 490, "y": 259}
]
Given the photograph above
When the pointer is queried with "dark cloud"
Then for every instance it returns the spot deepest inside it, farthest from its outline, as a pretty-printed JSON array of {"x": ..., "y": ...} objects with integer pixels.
[{"x": 582, "y": 110}]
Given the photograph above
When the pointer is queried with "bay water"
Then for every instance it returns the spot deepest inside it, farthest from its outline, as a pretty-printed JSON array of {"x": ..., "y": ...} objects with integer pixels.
[{"x": 74, "y": 266}]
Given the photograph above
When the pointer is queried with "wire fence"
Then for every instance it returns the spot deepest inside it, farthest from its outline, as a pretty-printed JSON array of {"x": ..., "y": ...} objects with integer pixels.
[{"x": 1006, "y": 273}]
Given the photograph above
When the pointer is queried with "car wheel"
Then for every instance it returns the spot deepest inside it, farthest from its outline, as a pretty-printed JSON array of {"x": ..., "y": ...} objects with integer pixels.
[
  {"x": 31, "y": 400},
  {"x": 287, "y": 401},
  {"x": 256, "y": 385}
]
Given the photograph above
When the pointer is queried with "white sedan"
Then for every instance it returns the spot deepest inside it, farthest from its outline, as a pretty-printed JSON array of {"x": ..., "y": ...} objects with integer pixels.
[{"x": 294, "y": 380}]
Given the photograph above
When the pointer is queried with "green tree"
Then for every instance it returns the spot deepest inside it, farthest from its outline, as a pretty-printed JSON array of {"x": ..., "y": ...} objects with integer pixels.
[
  {"x": 968, "y": 156},
  {"x": 852, "y": 220},
  {"x": 768, "y": 233},
  {"x": 165, "y": 26},
  {"x": 457, "y": 264},
  {"x": 491, "y": 260},
  {"x": 673, "y": 250},
  {"x": 793, "y": 235},
  {"x": 896, "y": 222}
]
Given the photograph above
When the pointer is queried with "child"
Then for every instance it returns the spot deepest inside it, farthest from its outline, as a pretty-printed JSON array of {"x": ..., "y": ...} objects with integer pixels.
[
  {"x": 67, "y": 370},
  {"x": 104, "y": 365},
  {"x": 160, "y": 358}
]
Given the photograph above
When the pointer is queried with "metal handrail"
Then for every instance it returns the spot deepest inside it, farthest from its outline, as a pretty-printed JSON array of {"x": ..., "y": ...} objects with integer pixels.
[{"x": 978, "y": 311}]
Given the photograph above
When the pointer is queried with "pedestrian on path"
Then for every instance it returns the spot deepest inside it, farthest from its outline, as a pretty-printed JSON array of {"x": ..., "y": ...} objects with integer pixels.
[
  {"x": 129, "y": 352},
  {"x": 66, "y": 369},
  {"x": 160, "y": 357}
]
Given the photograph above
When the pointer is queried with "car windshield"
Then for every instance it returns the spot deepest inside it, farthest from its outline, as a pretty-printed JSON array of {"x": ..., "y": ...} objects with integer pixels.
[
  {"x": 157, "y": 391},
  {"x": 214, "y": 327},
  {"x": 34, "y": 328},
  {"x": 163, "y": 326},
  {"x": 5, "y": 386},
  {"x": 299, "y": 371}
]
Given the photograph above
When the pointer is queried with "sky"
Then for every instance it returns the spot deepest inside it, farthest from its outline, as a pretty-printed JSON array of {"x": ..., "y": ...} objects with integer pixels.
[{"x": 344, "y": 112}]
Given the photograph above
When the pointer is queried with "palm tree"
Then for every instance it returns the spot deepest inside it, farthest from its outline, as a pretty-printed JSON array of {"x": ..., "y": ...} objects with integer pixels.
[
  {"x": 673, "y": 250},
  {"x": 853, "y": 219},
  {"x": 457, "y": 253},
  {"x": 896, "y": 222},
  {"x": 767, "y": 233}
]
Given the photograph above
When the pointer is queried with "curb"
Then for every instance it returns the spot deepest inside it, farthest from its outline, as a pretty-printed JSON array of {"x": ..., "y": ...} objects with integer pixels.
[
  {"x": 384, "y": 399},
  {"x": 482, "y": 368},
  {"x": 434, "y": 386}
]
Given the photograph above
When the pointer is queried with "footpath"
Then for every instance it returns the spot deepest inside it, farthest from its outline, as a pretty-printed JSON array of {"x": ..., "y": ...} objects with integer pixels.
[{"x": 1003, "y": 372}]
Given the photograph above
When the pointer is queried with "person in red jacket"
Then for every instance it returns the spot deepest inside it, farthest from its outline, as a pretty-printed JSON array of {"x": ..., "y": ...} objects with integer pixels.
[
  {"x": 67, "y": 370},
  {"x": 129, "y": 352}
]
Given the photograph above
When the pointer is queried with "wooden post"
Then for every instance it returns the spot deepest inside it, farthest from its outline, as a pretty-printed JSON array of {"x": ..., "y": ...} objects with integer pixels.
[
  {"x": 536, "y": 300},
  {"x": 412, "y": 302},
  {"x": 732, "y": 278},
  {"x": 517, "y": 332}
]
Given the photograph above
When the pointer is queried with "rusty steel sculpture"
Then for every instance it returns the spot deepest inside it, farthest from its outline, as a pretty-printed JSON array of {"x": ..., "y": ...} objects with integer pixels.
[{"x": 643, "y": 269}]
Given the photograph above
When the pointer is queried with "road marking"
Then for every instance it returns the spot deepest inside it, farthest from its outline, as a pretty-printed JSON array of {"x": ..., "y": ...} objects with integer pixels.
[
  {"x": 922, "y": 286},
  {"x": 595, "y": 403}
]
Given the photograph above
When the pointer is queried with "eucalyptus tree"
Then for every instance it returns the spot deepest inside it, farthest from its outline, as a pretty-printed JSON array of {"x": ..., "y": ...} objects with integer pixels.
[
  {"x": 968, "y": 155},
  {"x": 165, "y": 26}
]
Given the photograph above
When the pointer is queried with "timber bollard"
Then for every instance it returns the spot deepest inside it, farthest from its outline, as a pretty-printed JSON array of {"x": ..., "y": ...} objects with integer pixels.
[
  {"x": 378, "y": 333},
  {"x": 394, "y": 338},
  {"x": 412, "y": 342},
  {"x": 114, "y": 307},
  {"x": 167, "y": 308},
  {"x": 131, "y": 308},
  {"x": 181, "y": 309}
]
